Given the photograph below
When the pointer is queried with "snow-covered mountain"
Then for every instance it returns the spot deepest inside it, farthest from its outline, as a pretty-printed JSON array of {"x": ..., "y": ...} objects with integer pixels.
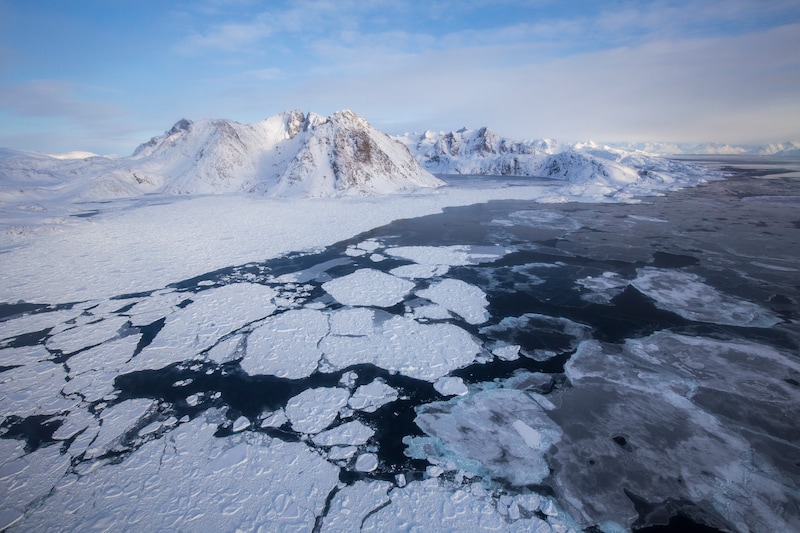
[
  {"x": 482, "y": 151},
  {"x": 786, "y": 149},
  {"x": 290, "y": 154}
]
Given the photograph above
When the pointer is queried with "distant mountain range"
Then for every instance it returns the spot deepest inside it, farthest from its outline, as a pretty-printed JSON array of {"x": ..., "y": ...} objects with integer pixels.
[
  {"x": 294, "y": 154},
  {"x": 788, "y": 148},
  {"x": 483, "y": 152}
]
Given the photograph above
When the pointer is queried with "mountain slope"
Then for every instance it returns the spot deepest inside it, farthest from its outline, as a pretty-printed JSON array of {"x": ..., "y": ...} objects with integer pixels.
[{"x": 290, "y": 154}]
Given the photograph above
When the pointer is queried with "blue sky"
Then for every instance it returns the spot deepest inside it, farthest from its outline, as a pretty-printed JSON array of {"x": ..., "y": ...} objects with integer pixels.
[{"x": 105, "y": 75}]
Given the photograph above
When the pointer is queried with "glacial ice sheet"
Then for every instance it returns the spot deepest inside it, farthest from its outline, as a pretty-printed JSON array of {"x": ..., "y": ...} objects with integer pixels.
[
  {"x": 286, "y": 345},
  {"x": 368, "y": 287},
  {"x": 686, "y": 294},
  {"x": 506, "y": 431},
  {"x": 242, "y": 482},
  {"x": 463, "y": 299},
  {"x": 403, "y": 345}
]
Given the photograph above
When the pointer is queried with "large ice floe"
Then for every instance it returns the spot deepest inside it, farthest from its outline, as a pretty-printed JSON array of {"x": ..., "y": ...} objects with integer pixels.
[{"x": 505, "y": 380}]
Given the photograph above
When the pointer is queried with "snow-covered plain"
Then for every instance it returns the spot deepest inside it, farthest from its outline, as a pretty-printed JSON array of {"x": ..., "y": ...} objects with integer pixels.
[{"x": 188, "y": 371}]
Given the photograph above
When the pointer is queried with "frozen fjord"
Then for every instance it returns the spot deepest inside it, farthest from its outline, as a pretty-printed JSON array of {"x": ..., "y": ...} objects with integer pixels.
[{"x": 138, "y": 414}]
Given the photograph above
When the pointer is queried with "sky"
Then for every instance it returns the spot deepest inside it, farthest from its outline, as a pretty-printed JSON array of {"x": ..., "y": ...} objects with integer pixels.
[{"x": 106, "y": 75}]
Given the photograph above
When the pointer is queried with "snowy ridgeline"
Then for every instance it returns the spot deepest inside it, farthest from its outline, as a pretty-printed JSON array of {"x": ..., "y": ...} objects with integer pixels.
[
  {"x": 306, "y": 155},
  {"x": 483, "y": 152}
]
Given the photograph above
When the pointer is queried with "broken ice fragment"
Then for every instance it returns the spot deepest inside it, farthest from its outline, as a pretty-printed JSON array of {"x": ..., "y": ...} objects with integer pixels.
[
  {"x": 313, "y": 410},
  {"x": 368, "y": 287}
]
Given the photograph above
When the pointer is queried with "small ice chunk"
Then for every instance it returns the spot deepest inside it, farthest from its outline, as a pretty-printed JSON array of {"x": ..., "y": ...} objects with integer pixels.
[
  {"x": 507, "y": 353},
  {"x": 350, "y": 433},
  {"x": 152, "y": 427},
  {"x": 274, "y": 420},
  {"x": 450, "y": 386},
  {"x": 465, "y": 300},
  {"x": 348, "y": 380},
  {"x": 367, "y": 462},
  {"x": 434, "y": 471},
  {"x": 240, "y": 424},
  {"x": 192, "y": 400},
  {"x": 368, "y": 287},
  {"x": 370, "y": 397},
  {"x": 313, "y": 410},
  {"x": 342, "y": 453},
  {"x": 377, "y": 258}
]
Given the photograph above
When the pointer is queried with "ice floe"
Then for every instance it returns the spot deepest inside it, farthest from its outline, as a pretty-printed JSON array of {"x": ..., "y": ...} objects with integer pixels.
[
  {"x": 352, "y": 433},
  {"x": 231, "y": 483},
  {"x": 457, "y": 255},
  {"x": 450, "y": 386},
  {"x": 686, "y": 294},
  {"x": 356, "y": 321},
  {"x": 212, "y": 314},
  {"x": 368, "y": 287},
  {"x": 353, "y": 503},
  {"x": 366, "y": 462},
  {"x": 538, "y": 334},
  {"x": 501, "y": 433},
  {"x": 313, "y": 410},
  {"x": 403, "y": 345},
  {"x": 463, "y": 299},
  {"x": 421, "y": 504},
  {"x": 286, "y": 345},
  {"x": 83, "y": 336},
  {"x": 370, "y": 397},
  {"x": 602, "y": 289}
]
